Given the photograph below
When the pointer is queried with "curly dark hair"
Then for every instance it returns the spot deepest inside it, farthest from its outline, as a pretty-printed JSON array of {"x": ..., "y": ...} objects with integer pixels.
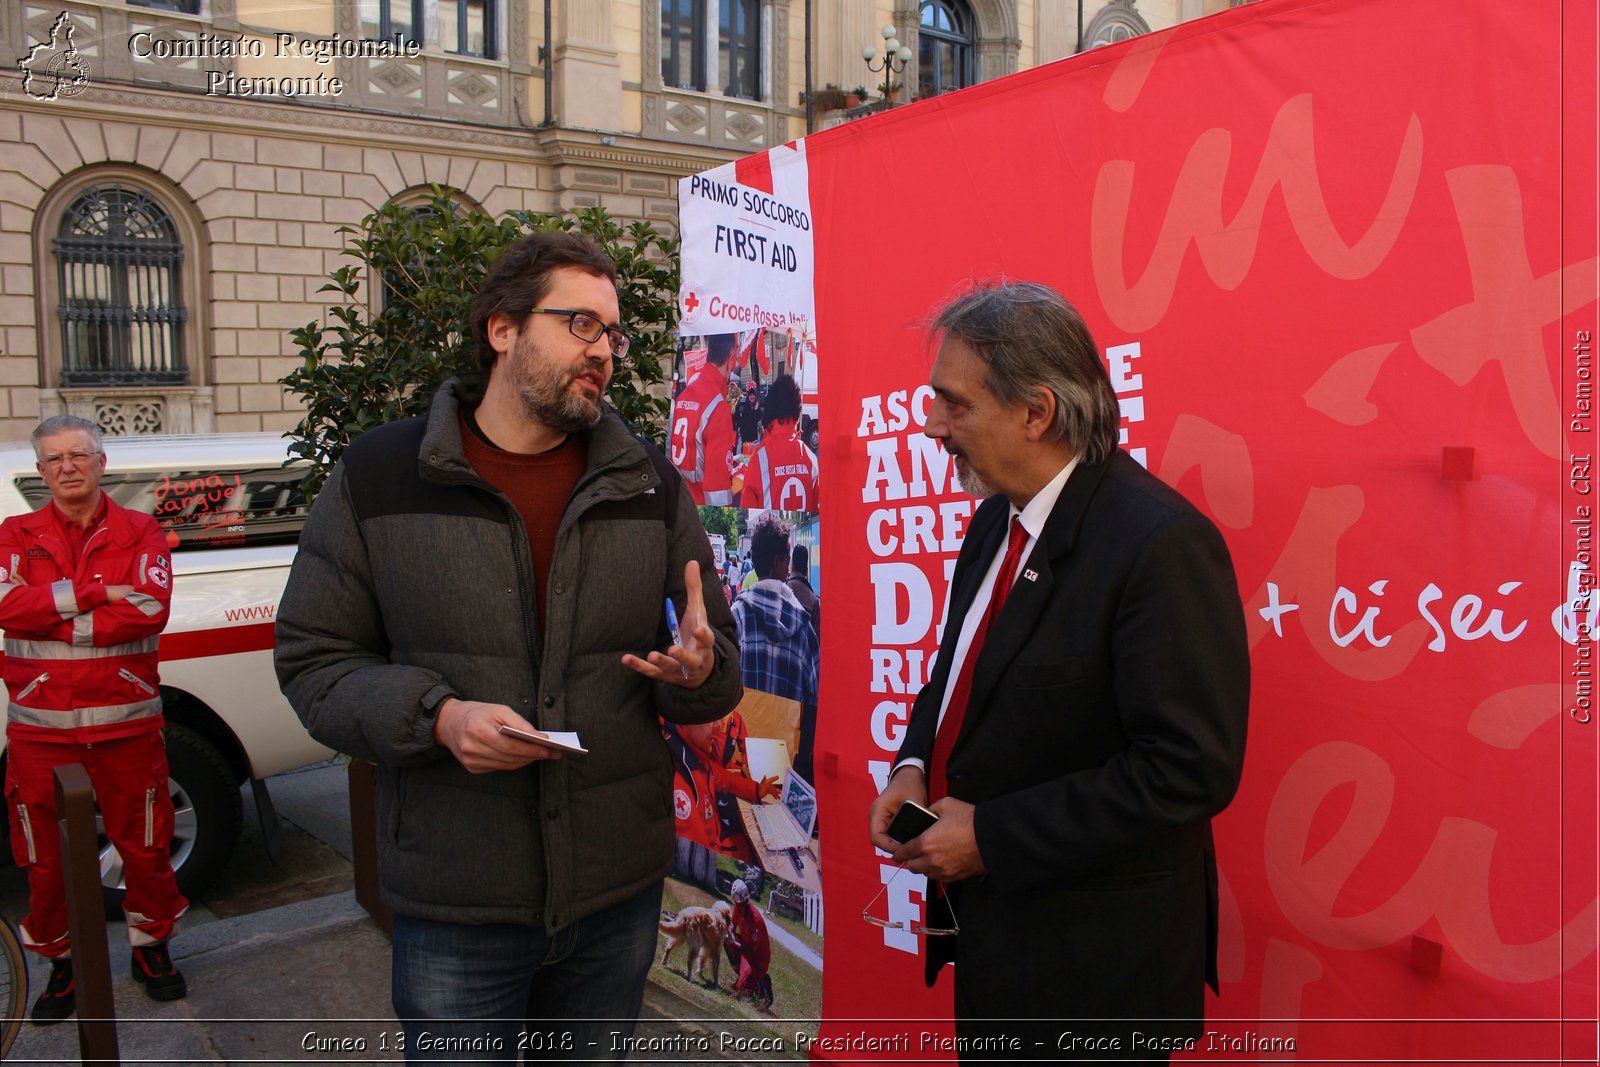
[
  {"x": 769, "y": 542},
  {"x": 520, "y": 278},
  {"x": 781, "y": 402}
]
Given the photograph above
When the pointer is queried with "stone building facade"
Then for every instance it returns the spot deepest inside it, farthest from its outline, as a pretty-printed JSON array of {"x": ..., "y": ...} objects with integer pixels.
[{"x": 174, "y": 174}]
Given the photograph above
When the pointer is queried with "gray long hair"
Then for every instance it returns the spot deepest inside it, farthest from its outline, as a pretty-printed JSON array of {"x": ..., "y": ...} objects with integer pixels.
[{"x": 1029, "y": 336}]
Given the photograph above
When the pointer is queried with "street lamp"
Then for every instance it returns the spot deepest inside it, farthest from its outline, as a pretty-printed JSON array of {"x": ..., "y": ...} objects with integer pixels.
[{"x": 895, "y": 58}]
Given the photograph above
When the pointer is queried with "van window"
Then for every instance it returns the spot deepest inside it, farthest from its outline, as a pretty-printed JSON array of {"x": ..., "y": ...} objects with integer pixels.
[{"x": 205, "y": 508}]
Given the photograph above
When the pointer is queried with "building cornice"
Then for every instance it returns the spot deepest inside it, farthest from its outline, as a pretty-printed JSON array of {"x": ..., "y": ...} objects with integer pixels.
[
  {"x": 589, "y": 147},
  {"x": 151, "y": 106}
]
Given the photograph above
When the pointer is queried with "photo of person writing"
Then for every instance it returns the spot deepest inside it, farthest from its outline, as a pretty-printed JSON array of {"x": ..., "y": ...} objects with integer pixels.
[{"x": 710, "y": 776}]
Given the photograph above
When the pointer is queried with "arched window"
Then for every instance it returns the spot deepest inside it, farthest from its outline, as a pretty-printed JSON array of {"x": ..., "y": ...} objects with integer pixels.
[
  {"x": 119, "y": 264},
  {"x": 414, "y": 264},
  {"x": 1119, "y": 20},
  {"x": 946, "y": 43}
]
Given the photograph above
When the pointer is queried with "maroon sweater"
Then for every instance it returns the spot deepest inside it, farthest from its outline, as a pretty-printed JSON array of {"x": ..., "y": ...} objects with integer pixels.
[{"x": 538, "y": 486}]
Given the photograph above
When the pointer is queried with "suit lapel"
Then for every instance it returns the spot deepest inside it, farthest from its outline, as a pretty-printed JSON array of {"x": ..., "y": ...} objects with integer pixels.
[
  {"x": 983, "y": 536},
  {"x": 1032, "y": 592}
]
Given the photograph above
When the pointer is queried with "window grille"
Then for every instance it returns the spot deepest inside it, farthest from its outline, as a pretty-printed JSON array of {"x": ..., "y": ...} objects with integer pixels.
[{"x": 120, "y": 265}]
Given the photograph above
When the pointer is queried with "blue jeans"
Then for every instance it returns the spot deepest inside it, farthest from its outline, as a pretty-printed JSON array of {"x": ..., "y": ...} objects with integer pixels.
[{"x": 489, "y": 993}]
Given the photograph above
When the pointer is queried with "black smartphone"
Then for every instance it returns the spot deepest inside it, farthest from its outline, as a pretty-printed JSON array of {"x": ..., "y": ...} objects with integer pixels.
[{"x": 912, "y": 820}]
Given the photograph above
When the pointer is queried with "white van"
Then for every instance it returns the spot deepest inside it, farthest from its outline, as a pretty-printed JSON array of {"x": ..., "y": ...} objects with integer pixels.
[{"x": 233, "y": 513}]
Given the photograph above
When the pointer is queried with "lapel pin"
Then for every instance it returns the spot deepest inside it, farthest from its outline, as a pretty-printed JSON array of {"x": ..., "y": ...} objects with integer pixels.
[{"x": 1031, "y": 575}]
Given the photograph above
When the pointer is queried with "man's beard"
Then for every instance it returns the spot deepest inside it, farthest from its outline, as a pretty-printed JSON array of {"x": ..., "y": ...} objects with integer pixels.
[
  {"x": 545, "y": 390},
  {"x": 970, "y": 481}
]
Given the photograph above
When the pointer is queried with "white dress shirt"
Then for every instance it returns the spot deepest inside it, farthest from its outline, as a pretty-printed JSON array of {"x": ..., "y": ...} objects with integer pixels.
[{"x": 1033, "y": 518}]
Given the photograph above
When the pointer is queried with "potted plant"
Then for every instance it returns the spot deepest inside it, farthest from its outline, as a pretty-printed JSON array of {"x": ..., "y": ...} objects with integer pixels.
[
  {"x": 828, "y": 98},
  {"x": 853, "y": 97}
]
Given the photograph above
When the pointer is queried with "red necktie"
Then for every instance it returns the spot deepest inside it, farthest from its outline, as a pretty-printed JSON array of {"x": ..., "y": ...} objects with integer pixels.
[{"x": 956, "y": 709}]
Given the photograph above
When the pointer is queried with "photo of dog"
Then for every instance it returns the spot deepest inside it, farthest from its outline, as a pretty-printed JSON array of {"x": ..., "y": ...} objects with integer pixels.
[{"x": 703, "y": 930}]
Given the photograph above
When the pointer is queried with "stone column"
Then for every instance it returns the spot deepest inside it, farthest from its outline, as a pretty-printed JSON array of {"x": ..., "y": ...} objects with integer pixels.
[{"x": 588, "y": 74}]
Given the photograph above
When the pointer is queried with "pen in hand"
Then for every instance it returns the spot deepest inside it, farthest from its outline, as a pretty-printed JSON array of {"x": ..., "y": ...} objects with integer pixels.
[
  {"x": 672, "y": 623},
  {"x": 672, "y": 627}
]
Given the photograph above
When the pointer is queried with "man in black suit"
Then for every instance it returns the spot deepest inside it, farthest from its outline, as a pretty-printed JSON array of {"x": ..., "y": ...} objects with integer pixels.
[{"x": 1075, "y": 739}]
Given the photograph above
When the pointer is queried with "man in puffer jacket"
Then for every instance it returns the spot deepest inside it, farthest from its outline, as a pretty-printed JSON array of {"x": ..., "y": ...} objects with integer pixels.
[{"x": 504, "y": 562}]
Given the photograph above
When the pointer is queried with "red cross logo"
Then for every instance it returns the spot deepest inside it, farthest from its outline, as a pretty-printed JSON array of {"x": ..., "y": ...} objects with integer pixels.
[{"x": 691, "y": 302}]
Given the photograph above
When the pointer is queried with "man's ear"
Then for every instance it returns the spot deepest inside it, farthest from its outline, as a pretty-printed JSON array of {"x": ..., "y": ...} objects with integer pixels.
[
  {"x": 1041, "y": 414},
  {"x": 502, "y": 330}
]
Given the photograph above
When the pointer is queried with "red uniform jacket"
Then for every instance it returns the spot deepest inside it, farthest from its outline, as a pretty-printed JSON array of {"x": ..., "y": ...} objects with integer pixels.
[
  {"x": 702, "y": 436},
  {"x": 79, "y": 668},
  {"x": 782, "y": 473}
]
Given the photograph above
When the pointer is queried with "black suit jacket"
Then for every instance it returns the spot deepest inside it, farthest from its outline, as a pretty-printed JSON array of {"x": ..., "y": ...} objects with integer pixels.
[{"x": 1106, "y": 726}]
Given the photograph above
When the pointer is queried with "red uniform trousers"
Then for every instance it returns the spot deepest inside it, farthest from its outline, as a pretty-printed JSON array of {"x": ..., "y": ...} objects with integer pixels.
[{"x": 130, "y": 784}]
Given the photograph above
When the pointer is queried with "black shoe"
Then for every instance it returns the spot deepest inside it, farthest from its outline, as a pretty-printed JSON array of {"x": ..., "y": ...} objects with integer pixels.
[
  {"x": 60, "y": 996},
  {"x": 153, "y": 967}
]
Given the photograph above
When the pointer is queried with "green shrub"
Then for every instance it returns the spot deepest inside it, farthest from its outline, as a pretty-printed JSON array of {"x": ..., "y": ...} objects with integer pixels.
[{"x": 386, "y": 347}]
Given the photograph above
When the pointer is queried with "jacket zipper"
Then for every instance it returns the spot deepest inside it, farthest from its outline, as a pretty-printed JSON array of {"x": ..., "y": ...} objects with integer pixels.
[
  {"x": 525, "y": 584},
  {"x": 129, "y": 676},
  {"x": 90, "y": 542},
  {"x": 149, "y": 816},
  {"x": 524, "y": 576},
  {"x": 525, "y": 588},
  {"x": 27, "y": 832},
  {"x": 31, "y": 686}
]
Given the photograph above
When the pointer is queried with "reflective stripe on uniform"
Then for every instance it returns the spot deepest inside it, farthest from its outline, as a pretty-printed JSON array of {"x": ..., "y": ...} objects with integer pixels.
[
  {"x": 27, "y": 832},
  {"x": 78, "y": 718},
  {"x": 16, "y": 648},
  {"x": 145, "y": 603},
  {"x": 699, "y": 473},
  {"x": 66, "y": 598},
  {"x": 83, "y": 630},
  {"x": 766, "y": 477}
]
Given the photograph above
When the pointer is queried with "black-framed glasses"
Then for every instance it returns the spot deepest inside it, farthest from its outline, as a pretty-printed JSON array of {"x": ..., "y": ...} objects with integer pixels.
[
  {"x": 585, "y": 327},
  {"x": 916, "y": 928}
]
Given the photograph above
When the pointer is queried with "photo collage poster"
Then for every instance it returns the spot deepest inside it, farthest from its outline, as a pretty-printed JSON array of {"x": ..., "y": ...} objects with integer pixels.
[{"x": 744, "y": 436}]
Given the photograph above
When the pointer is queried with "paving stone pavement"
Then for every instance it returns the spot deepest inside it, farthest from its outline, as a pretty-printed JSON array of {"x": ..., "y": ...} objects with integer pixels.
[{"x": 283, "y": 965}]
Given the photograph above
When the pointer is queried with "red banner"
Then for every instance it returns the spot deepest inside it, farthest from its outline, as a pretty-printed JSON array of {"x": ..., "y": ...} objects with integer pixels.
[{"x": 1341, "y": 255}]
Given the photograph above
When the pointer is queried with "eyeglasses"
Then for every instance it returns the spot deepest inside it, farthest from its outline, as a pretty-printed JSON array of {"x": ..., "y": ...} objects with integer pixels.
[
  {"x": 916, "y": 928},
  {"x": 77, "y": 456},
  {"x": 585, "y": 327}
]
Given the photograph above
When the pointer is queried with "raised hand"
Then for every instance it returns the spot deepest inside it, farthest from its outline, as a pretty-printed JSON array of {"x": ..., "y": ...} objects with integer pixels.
[{"x": 688, "y": 663}]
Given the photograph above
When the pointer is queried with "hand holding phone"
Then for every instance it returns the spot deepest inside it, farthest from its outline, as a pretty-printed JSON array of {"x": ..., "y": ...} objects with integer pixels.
[{"x": 912, "y": 820}]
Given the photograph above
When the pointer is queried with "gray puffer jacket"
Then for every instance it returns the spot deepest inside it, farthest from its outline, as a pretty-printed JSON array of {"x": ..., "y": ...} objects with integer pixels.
[{"x": 413, "y": 582}]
